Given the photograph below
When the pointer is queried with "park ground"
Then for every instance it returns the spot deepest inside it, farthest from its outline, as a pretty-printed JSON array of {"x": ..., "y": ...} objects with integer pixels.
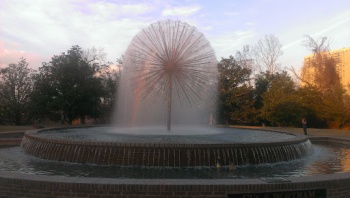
[{"x": 310, "y": 131}]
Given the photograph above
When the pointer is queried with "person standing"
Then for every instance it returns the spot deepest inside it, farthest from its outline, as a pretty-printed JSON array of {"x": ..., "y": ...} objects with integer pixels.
[{"x": 304, "y": 123}]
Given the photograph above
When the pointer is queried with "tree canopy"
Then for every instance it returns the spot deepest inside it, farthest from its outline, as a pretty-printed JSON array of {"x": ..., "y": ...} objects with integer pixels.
[
  {"x": 80, "y": 84},
  {"x": 16, "y": 85},
  {"x": 281, "y": 104},
  {"x": 68, "y": 87},
  {"x": 235, "y": 94}
]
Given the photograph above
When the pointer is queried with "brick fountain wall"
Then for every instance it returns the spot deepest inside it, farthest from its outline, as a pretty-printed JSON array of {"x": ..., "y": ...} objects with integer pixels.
[
  {"x": 21, "y": 185},
  {"x": 164, "y": 155},
  {"x": 14, "y": 184}
]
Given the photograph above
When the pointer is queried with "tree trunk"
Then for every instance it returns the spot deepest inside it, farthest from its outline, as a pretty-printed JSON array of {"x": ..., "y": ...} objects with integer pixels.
[{"x": 82, "y": 119}]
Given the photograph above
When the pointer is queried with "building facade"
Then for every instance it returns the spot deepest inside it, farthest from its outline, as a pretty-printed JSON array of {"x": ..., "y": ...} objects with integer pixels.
[{"x": 342, "y": 59}]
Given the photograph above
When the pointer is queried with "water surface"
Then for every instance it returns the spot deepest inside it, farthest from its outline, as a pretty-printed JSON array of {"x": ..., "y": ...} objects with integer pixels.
[{"x": 178, "y": 134}]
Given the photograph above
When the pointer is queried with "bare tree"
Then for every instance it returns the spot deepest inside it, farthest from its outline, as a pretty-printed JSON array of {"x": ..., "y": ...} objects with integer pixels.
[
  {"x": 319, "y": 48},
  {"x": 266, "y": 53},
  {"x": 316, "y": 46},
  {"x": 94, "y": 56},
  {"x": 320, "y": 64},
  {"x": 320, "y": 73},
  {"x": 245, "y": 58}
]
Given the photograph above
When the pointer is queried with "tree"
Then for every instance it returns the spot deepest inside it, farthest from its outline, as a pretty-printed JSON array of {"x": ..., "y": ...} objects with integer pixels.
[
  {"x": 347, "y": 106},
  {"x": 334, "y": 108},
  {"x": 244, "y": 57},
  {"x": 110, "y": 82},
  {"x": 266, "y": 53},
  {"x": 322, "y": 65},
  {"x": 281, "y": 104},
  {"x": 68, "y": 86},
  {"x": 311, "y": 101},
  {"x": 16, "y": 85},
  {"x": 235, "y": 95},
  {"x": 325, "y": 109},
  {"x": 94, "y": 56},
  {"x": 318, "y": 46},
  {"x": 262, "y": 84},
  {"x": 326, "y": 81}
]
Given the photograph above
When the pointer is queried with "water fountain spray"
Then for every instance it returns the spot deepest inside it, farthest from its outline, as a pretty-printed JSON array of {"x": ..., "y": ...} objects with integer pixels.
[{"x": 170, "y": 60}]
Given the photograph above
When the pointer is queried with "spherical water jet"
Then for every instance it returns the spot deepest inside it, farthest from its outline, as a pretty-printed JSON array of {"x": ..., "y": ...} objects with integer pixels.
[{"x": 167, "y": 61}]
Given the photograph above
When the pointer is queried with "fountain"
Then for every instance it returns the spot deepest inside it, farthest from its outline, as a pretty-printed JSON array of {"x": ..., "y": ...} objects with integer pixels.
[
  {"x": 167, "y": 60},
  {"x": 204, "y": 147},
  {"x": 169, "y": 67},
  {"x": 172, "y": 68}
]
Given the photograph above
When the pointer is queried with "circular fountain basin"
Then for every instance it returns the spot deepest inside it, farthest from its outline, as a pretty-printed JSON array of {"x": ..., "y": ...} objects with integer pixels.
[{"x": 155, "y": 147}]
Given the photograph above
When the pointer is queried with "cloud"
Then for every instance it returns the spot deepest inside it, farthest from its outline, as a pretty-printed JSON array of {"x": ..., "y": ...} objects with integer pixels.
[
  {"x": 31, "y": 28},
  {"x": 180, "y": 11},
  {"x": 207, "y": 28},
  {"x": 10, "y": 54},
  {"x": 296, "y": 42},
  {"x": 231, "y": 13},
  {"x": 335, "y": 23},
  {"x": 227, "y": 44},
  {"x": 111, "y": 10},
  {"x": 45, "y": 28},
  {"x": 339, "y": 24}
]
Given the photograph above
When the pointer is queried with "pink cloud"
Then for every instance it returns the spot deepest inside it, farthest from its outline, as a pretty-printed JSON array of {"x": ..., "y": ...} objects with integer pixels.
[{"x": 11, "y": 53}]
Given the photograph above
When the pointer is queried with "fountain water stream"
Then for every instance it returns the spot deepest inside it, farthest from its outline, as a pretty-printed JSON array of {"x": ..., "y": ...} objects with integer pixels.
[{"x": 169, "y": 76}]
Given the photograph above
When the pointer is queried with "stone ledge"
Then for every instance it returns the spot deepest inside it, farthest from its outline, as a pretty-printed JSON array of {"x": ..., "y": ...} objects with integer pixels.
[
  {"x": 14, "y": 184},
  {"x": 52, "y": 186},
  {"x": 10, "y": 141},
  {"x": 331, "y": 178},
  {"x": 330, "y": 140},
  {"x": 176, "y": 154}
]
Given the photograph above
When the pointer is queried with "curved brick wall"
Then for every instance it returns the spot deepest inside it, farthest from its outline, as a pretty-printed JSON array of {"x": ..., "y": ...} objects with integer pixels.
[
  {"x": 20, "y": 185},
  {"x": 163, "y": 155},
  {"x": 13, "y": 185}
]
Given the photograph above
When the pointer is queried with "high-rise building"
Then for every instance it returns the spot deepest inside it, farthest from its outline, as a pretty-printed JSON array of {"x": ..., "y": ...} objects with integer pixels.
[{"x": 342, "y": 60}]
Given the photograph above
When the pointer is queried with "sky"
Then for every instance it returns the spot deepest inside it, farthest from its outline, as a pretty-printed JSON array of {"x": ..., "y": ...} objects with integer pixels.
[{"x": 39, "y": 29}]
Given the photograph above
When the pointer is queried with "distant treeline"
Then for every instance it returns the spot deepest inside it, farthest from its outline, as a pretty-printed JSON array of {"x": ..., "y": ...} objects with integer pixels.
[{"x": 252, "y": 89}]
